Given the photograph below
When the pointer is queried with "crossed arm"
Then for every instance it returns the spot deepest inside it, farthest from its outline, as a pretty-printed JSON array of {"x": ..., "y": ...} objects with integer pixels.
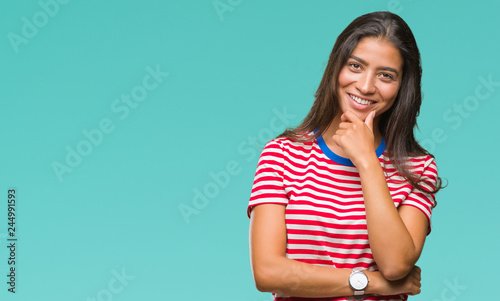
[{"x": 273, "y": 272}]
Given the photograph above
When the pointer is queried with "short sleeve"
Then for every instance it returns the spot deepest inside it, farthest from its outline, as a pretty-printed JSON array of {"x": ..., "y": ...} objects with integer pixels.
[
  {"x": 424, "y": 200},
  {"x": 268, "y": 185}
]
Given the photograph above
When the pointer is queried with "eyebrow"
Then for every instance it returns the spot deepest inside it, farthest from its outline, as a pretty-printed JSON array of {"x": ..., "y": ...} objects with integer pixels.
[{"x": 380, "y": 68}]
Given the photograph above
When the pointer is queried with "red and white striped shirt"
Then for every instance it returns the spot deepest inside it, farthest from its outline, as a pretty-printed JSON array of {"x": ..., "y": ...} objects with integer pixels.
[{"x": 325, "y": 212}]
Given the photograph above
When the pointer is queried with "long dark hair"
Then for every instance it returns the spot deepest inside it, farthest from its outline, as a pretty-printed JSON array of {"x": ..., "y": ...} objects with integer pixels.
[{"x": 397, "y": 123}]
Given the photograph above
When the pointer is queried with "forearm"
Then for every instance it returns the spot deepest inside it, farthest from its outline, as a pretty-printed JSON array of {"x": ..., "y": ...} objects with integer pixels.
[
  {"x": 289, "y": 277},
  {"x": 274, "y": 272},
  {"x": 391, "y": 243}
]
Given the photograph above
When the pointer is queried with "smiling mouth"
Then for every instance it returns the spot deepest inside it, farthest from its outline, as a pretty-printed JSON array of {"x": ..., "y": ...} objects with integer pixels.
[{"x": 361, "y": 100}]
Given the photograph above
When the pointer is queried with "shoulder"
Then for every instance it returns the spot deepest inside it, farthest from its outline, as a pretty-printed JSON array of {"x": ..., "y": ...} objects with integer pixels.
[
  {"x": 425, "y": 169},
  {"x": 421, "y": 167},
  {"x": 417, "y": 165},
  {"x": 422, "y": 164}
]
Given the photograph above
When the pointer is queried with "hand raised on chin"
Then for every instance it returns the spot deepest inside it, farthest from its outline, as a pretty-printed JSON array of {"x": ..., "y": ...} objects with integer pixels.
[{"x": 356, "y": 137}]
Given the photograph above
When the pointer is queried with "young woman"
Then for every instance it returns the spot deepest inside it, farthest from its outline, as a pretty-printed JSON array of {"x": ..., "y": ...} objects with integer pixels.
[{"x": 341, "y": 205}]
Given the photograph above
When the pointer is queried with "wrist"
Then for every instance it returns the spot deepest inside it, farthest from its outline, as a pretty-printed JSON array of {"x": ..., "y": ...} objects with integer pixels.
[
  {"x": 367, "y": 163},
  {"x": 373, "y": 287}
]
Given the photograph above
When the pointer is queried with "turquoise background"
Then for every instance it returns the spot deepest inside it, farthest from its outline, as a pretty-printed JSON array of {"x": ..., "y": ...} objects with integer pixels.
[{"x": 235, "y": 79}]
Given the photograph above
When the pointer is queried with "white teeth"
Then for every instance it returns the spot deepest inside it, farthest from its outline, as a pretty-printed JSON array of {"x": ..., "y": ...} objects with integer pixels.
[{"x": 361, "y": 101}]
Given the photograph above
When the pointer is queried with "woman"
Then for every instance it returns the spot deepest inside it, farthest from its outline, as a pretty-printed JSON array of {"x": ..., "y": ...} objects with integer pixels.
[{"x": 341, "y": 205}]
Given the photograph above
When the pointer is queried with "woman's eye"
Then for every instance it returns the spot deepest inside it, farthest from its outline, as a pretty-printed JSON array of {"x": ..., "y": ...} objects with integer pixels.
[
  {"x": 355, "y": 66},
  {"x": 387, "y": 76}
]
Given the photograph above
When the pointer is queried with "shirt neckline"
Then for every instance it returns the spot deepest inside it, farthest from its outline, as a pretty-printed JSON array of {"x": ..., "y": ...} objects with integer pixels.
[{"x": 341, "y": 160}]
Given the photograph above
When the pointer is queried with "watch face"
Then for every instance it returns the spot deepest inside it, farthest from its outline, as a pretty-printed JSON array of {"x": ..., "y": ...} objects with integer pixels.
[{"x": 358, "y": 281}]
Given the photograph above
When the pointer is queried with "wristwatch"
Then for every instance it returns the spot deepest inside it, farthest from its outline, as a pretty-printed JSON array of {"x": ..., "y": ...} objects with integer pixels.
[{"x": 358, "y": 282}]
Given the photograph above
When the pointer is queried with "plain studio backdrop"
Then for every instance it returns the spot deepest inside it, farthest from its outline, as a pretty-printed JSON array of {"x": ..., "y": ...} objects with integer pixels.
[{"x": 131, "y": 130}]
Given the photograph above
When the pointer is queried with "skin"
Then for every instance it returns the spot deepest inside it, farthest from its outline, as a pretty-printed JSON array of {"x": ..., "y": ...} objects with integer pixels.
[{"x": 373, "y": 72}]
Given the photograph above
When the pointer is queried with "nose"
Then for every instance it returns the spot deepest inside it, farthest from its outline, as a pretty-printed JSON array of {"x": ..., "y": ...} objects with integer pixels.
[{"x": 366, "y": 83}]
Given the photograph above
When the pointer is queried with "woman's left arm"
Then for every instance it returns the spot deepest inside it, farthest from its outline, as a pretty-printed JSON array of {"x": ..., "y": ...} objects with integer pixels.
[{"x": 396, "y": 236}]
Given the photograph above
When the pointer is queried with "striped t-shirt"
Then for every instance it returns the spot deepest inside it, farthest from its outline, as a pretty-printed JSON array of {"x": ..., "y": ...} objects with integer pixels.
[{"x": 325, "y": 213}]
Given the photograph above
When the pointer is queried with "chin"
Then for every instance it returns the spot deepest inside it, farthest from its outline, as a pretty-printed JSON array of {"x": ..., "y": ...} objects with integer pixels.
[{"x": 361, "y": 115}]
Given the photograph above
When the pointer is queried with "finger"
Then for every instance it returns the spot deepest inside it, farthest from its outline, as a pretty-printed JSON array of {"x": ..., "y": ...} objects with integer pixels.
[
  {"x": 339, "y": 133},
  {"x": 415, "y": 273},
  {"x": 415, "y": 291},
  {"x": 344, "y": 118},
  {"x": 344, "y": 125},
  {"x": 369, "y": 120},
  {"x": 349, "y": 116},
  {"x": 415, "y": 287},
  {"x": 417, "y": 270},
  {"x": 336, "y": 139}
]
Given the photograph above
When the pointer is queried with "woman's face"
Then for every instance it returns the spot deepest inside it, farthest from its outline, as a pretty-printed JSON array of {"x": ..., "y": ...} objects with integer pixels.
[{"x": 371, "y": 78}]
